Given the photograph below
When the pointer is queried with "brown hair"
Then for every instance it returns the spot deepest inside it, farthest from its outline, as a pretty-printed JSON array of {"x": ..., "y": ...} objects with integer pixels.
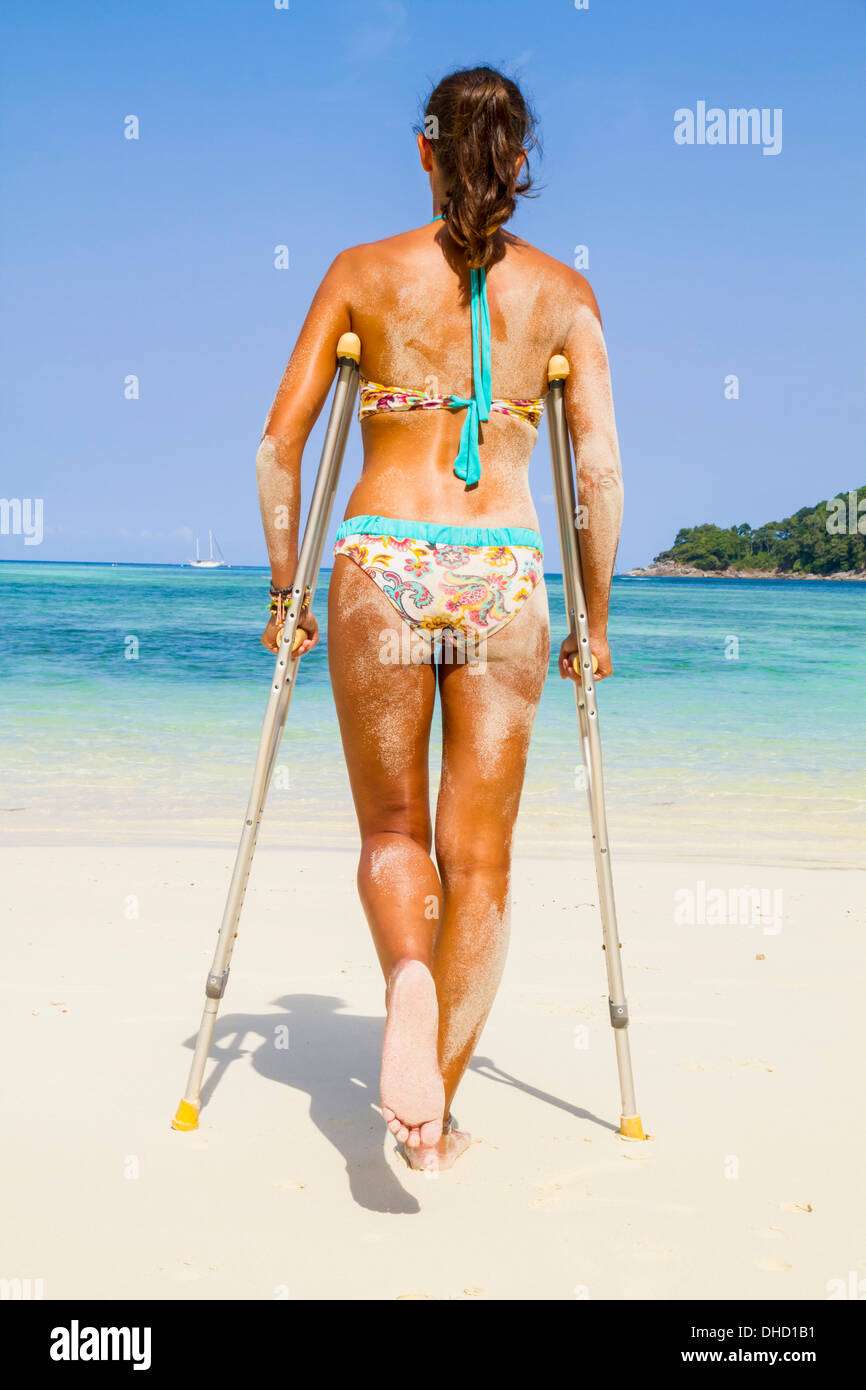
[{"x": 479, "y": 123}]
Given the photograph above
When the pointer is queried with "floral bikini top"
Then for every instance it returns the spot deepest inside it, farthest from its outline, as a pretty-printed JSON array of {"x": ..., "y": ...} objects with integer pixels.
[{"x": 374, "y": 397}]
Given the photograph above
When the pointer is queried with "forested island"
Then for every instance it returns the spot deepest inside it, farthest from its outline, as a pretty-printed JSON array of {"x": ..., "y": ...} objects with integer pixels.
[{"x": 826, "y": 541}]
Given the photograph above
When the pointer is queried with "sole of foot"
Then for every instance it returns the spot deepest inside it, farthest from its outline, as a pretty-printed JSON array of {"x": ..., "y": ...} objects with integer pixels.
[{"x": 411, "y": 1088}]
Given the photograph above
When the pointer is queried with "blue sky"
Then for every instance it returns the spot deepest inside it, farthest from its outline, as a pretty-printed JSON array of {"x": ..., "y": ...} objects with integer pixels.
[{"x": 261, "y": 127}]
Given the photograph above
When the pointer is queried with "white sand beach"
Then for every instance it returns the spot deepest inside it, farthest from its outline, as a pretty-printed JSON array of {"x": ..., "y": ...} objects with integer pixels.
[{"x": 747, "y": 1051}]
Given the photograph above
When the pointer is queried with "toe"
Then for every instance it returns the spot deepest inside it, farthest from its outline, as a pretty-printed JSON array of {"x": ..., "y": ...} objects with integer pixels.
[
  {"x": 414, "y": 1138},
  {"x": 430, "y": 1133},
  {"x": 427, "y": 1161},
  {"x": 388, "y": 1114},
  {"x": 402, "y": 1134}
]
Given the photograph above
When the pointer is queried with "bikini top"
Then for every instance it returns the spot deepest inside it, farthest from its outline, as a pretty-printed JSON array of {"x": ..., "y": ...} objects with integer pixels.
[{"x": 375, "y": 397}]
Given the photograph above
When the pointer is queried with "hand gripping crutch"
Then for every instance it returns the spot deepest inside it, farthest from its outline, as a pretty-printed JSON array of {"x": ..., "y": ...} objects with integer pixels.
[
  {"x": 282, "y": 685},
  {"x": 590, "y": 740}
]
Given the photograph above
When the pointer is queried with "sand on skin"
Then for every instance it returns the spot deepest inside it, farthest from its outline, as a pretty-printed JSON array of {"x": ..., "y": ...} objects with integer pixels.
[{"x": 747, "y": 1072}]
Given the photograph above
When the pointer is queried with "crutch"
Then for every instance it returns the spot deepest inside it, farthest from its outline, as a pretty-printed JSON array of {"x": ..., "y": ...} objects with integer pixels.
[
  {"x": 590, "y": 740},
  {"x": 282, "y": 685}
]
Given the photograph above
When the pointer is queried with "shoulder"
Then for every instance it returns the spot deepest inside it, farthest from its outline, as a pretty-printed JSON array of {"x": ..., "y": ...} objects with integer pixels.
[
  {"x": 572, "y": 288},
  {"x": 581, "y": 292},
  {"x": 367, "y": 253},
  {"x": 361, "y": 267}
]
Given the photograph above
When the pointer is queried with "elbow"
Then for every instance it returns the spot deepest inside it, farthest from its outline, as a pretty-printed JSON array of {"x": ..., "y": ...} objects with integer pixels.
[
  {"x": 600, "y": 477},
  {"x": 266, "y": 455},
  {"x": 597, "y": 464},
  {"x": 277, "y": 453}
]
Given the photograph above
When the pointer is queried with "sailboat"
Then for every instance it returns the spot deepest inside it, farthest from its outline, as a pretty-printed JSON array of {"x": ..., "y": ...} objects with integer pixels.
[{"x": 213, "y": 561}]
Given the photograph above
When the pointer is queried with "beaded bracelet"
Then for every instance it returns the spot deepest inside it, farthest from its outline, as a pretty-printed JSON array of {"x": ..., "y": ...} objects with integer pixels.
[{"x": 279, "y": 605}]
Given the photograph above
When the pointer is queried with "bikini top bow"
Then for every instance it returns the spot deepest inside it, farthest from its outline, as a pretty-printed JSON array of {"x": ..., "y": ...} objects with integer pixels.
[{"x": 467, "y": 464}]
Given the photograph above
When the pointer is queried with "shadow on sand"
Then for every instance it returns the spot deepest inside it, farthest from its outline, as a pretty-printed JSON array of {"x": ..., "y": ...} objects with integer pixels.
[{"x": 334, "y": 1058}]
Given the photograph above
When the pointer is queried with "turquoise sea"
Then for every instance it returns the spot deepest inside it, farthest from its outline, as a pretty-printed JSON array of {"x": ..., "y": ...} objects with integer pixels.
[{"x": 733, "y": 726}]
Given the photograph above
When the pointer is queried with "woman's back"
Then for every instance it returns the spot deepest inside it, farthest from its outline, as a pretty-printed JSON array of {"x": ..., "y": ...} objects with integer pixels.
[{"x": 410, "y": 306}]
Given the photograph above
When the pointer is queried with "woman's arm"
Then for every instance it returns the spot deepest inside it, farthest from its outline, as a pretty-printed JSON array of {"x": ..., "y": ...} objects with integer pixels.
[
  {"x": 591, "y": 424},
  {"x": 301, "y": 394}
]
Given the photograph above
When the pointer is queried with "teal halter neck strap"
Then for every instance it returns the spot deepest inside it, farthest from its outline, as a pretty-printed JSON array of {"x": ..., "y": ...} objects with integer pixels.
[{"x": 467, "y": 464}]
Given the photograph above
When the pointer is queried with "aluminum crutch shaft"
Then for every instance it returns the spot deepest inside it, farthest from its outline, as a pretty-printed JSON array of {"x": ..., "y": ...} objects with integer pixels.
[
  {"x": 590, "y": 740},
  {"x": 279, "y": 699}
]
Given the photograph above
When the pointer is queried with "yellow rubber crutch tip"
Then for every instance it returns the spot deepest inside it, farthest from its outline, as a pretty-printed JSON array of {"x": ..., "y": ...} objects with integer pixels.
[
  {"x": 575, "y": 665},
  {"x": 630, "y": 1127},
  {"x": 350, "y": 346},
  {"x": 186, "y": 1116},
  {"x": 558, "y": 368}
]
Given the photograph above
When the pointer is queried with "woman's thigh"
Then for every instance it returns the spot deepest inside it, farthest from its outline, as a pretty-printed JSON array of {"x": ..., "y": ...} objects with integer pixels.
[
  {"x": 384, "y": 705},
  {"x": 487, "y": 716}
]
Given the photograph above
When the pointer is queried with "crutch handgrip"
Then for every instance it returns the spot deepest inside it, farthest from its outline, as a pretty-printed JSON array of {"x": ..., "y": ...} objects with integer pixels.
[
  {"x": 558, "y": 368},
  {"x": 575, "y": 664},
  {"x": 300, "y": 636},
  {"x": 349, "y": 346}
]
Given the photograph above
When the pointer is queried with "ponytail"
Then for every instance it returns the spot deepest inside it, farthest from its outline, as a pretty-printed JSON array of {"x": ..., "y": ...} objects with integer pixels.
[{"x": 479, "y": 124}]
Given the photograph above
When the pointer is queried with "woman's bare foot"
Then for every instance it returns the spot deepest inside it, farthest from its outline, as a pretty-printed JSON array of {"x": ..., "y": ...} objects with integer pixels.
[
  {"x": 436, "y": 1158},
  {"x": 411, "y": 1087}
]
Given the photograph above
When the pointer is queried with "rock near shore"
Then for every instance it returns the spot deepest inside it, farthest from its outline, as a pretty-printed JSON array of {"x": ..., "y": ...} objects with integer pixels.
[{"x": 670, "y": 569}]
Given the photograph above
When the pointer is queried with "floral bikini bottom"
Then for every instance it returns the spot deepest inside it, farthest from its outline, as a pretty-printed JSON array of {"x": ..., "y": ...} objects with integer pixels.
[{"x": 459, "y": 584}]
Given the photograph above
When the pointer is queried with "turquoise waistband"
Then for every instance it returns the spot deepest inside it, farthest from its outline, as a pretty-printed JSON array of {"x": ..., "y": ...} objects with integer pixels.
[{"x": 439, "y": 533}]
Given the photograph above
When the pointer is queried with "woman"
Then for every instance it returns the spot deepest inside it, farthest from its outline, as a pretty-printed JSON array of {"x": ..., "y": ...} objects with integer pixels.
[{"x": 457, "y": 320}]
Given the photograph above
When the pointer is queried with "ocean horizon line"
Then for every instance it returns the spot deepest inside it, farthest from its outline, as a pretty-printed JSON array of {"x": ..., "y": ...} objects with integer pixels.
[{"x": 326, "y": 569}]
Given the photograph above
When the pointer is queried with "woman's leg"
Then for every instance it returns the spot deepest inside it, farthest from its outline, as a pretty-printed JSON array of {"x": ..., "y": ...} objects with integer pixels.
[
  {"x": 385, "y": 708},
  {"x": 487, "y": 719}
]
